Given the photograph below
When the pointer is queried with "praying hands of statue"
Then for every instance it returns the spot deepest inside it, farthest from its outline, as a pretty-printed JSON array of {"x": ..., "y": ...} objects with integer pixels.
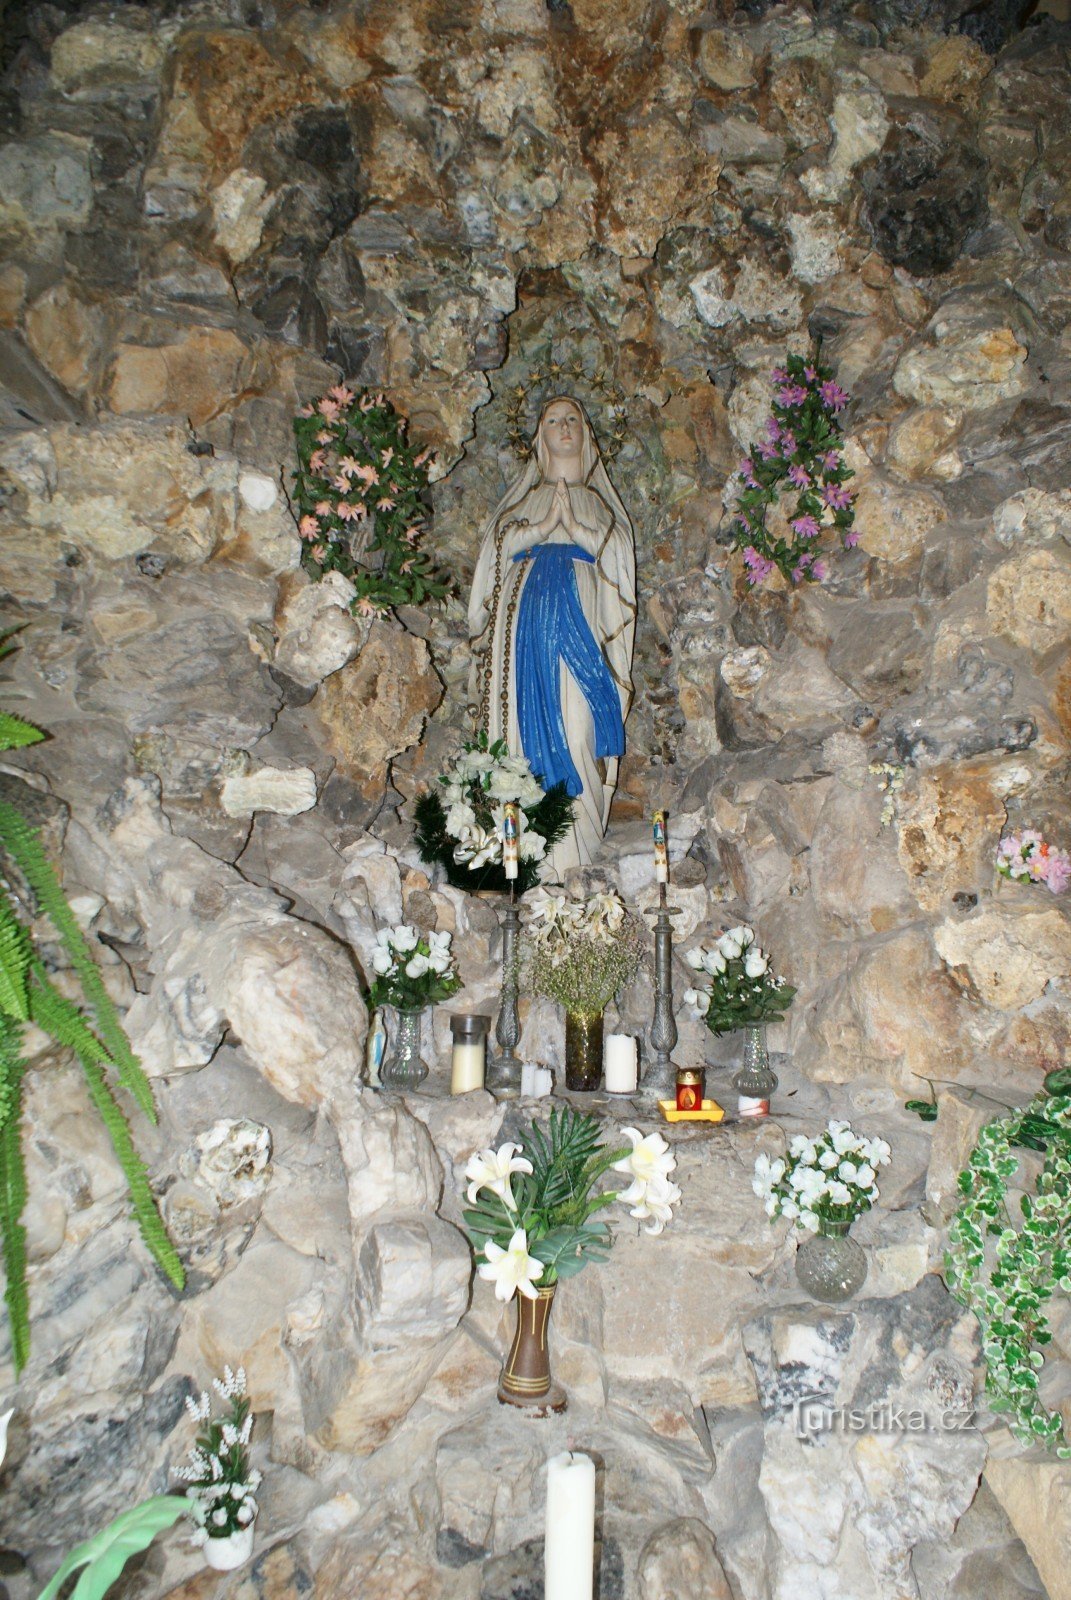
[{"x": 560, "y": 515}]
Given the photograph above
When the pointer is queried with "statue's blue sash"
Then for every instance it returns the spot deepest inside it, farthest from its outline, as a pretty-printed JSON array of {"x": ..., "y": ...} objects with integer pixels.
[{"x": 552, "y": 628}]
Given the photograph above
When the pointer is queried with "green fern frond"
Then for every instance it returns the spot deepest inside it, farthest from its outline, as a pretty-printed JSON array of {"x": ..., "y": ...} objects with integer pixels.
[
  {"x": 62, "y": 1019},
  {"x": 15, "y": 956},
  {"x": 15, "y": 734},
  {"x": 25, "y": 847},
  {"x": 13, "y": 1194}
]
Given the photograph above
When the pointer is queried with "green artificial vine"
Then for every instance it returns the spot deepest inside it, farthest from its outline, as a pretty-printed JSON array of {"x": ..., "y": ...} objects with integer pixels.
[
  {"x": 1006, "y": 1274},
  {"x": 800, "y": 450},
  {"x": 27, "y": 994},
  {"x": 359, "y": 491}
]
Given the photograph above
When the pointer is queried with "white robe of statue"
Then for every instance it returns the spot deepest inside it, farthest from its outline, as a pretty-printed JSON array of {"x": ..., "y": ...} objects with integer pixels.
[{"x": 563, "y": 498}]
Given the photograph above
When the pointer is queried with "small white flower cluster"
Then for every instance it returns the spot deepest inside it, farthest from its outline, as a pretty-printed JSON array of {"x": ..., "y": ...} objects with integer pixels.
[
  {"x": 557, "y": 923},
  {"x": 713, "y": 960},
  {"x": 832, "y": 1176},
  {"x": 398, "y": 950},
  {"x": 221, "y": 1484},
  {"x": 499, "y": 778}
]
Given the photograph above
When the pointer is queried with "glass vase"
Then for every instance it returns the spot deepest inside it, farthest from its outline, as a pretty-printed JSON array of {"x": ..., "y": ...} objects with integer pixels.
[
  {"x": 829, "y": 1265},
  {"x": 403, "y": 1067},
  {"x": 756, "y": 1080},
  {"x": 583, "y": 1051}
]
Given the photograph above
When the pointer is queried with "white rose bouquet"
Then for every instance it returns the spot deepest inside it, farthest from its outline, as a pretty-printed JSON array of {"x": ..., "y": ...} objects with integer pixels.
[
  {"x": 412, "y": 969},
  {"x": 220, "y": 1482},
  {"x": 579, "y": 953},
  {"x": 735, "y": 986},
  {"x": 460, "y": 825},
  {"x": 531, "y": 1204},
  {"x": 831, "y": 1178}
]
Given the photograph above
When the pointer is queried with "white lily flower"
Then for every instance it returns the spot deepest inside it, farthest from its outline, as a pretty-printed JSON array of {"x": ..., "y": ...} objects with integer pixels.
[
  {"x": 767, "y": 1173},
  {"x": 416, "y": 966},
  {"x": 382, "y": 962},
  {"x": 876, "y": 1151},
  {"x": 696, "y": 959},
  {"x": 403, "y": 938},
  {"x": 714, "y": 962},
  {"x": 531, "y": 846},
  {"x": 741, "y": 935},
  {"x": 728, "y": 947},
  {"x": 649, "y": 1158},
  {"x": 657, "y": 1202},
  {"x": 492, "y": 1169},
  {"x": 755, "y": 963},
  {"x": 512, "y": 1271}
]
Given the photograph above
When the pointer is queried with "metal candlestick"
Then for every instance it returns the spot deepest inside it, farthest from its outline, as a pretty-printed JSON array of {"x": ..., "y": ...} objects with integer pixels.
[
  {"x": 505, "y": 1071},
  {"x": 661, "y": 1074}
]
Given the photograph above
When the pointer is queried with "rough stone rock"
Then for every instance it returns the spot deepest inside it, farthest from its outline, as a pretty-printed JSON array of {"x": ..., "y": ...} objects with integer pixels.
[
  {"x": 848, "y": 1508},
  {"x": 853, "y": 874},
  {"x": 197, "y": 376},
  {"x": 1033, "y": 517},
  {"x": 960, "y": 1119},
  {"x": 45, "y": 183},
  {"x": 377, "y": 706},
  {"x": 286, "y": 791},
  {"x": 949, "y": 828},
  {"x": 920, "y": 439},
  {"x": 956, "y": 69},
  {"x": 1035, "y": 1496},
  {"x": 725, "y": 59},
  {"x": 67, "y": 333},
  {"x": 894, "y": 522},
  {"x": 974, "y": 362},
  {"x": 860, "y": 126},
  {"x": 240, "y": 205},
  {"x": 1029, "y": 599},
  {"x": 231, "y": 1160},
  {"x": 317, "y": 633},
  {"x": 682, "y": 1559},
  {"x": 103, "y": 55},
  {"x": 1009, "y": 952},
  {"x": 923, "y": 200}
]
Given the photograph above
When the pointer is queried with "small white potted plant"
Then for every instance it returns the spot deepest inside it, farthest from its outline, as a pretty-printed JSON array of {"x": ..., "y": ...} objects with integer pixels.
[{"x": 220, "y": 1482}]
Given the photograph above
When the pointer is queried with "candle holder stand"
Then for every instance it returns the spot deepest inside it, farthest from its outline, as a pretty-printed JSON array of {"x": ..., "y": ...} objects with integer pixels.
[
  {"x": 504, "y": 1068},
  {"x": 661, "y": 1076}
]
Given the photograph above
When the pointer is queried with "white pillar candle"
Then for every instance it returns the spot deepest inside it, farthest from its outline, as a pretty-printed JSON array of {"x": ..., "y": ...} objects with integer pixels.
[
  {"x": 544, "y": 1082},
  {"x": 466, "y": 1067},
  {"x": 620, "y": 1063},
  {"x": 528, "y": 1078},
  {"x": 569, "y": 1552}
]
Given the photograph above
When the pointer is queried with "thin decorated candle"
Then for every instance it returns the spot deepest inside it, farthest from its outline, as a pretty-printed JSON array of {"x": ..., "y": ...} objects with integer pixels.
[
  {"x": 510, "y": 830},
  {"x": 661, "y": 853}
]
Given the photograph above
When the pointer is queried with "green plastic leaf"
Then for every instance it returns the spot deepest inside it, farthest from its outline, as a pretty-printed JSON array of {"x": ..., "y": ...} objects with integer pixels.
[{"x": 105, "y": 1555}]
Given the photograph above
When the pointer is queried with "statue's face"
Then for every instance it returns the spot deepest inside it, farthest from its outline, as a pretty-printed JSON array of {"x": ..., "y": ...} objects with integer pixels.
[{"x": 563, "y": 429}]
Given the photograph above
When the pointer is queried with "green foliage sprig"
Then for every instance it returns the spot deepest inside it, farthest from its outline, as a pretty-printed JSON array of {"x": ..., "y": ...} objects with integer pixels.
[
  {"x": 103, "y": 1557},
  {"x": 1007, "y": 1273},
  {"x": 799, "y": 449},
  {"x": 359, "y": 491},
  {"x": 27, "y": 994}
]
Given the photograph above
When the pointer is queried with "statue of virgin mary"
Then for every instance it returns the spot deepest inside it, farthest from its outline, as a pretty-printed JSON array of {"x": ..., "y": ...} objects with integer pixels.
[{"x": 552, "y": 618}]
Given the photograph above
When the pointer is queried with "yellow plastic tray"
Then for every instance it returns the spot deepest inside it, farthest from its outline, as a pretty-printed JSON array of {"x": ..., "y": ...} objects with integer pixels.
[{"x": 711, "y": 1112}]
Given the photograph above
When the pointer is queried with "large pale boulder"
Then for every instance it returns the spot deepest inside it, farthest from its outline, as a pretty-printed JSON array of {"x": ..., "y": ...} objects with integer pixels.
[
  {"x": 1010, "y": 951},
  {"x": 948, "y": 829},
  {"x": 1029, "y": 599}
]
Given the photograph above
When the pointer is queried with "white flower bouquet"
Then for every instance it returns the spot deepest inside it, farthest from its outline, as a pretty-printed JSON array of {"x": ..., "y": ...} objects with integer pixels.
[
  {"x": 531, "y": 1204},
  {"x": 460, "y": 825},
  {"x": 412, "y": 969},
  {"x": 735, "y": 986},
  {"x": 220, "y": 1482},
  {"x": 831, "y": 1178},
  {"x": 579, "y": 953}
]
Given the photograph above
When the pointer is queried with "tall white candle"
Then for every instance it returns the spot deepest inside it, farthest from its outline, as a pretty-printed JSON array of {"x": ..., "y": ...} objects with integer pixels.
[
  {"x": 620, "y": 1063},
  {"x": 569, "y": 1553}
]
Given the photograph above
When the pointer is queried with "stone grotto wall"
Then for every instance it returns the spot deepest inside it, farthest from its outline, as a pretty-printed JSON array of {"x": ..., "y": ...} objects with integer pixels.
[{"x": 208, "y": 212}]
